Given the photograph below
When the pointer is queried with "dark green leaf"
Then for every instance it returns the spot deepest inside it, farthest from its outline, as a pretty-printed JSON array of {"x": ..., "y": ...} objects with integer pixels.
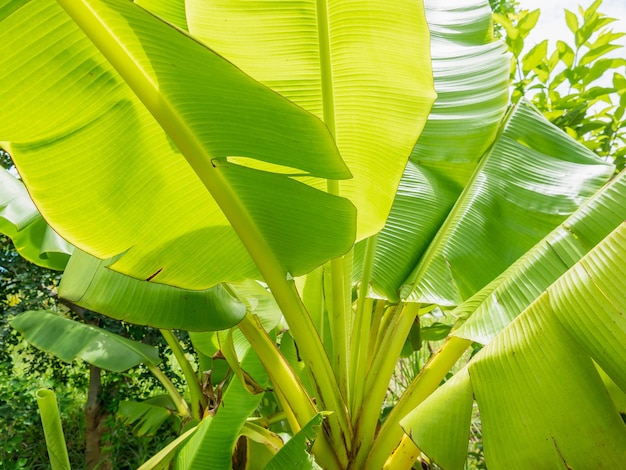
[
  {"x": 435, "y": 332},
  {"x": 147, "y": 416},
  {"x": 69, "y": 339},
  {"x": 294, "y": 455}
]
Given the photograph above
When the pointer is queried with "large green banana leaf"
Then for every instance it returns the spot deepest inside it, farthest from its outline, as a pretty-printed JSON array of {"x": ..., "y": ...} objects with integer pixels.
[
  {"x": 68, "y": 339},
  {"x": 104, "y": 167},
  {"x": 457, "y": 223},
  {"x": 471, "y": 72},
  {"x": 31, "y": 235},
  {"x": 363, "y": 67},
  {"x": 542, "y": 402},
  {"x": 87, "y": 282}
]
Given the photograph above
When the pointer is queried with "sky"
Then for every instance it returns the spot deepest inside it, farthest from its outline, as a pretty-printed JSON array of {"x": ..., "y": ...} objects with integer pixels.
[{"x": 552, "y": 25}]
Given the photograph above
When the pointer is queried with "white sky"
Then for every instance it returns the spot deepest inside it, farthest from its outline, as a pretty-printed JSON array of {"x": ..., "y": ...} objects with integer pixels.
[{"x": 552, "y": 25}]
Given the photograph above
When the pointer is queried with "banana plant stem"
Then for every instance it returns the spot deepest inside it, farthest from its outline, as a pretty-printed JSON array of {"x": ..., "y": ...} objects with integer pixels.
[
  {"x": 312, "y": 352},
  {"x": 338, "y": 320},
  {"x": 403, "y": 456},
  {"x": 379, "y": 311},
  {"x": 377, "y": 379},
  {"x": 290, "y": 391},
  {"x": 179, "y": 401},
  {"x": 420, "y": 388},
  {"x": 53, "y": 429},
  {"x": 198, "y": 400},
  {"x": 339, "y": 313},
  {"x": 359, "y": 344},
  {"x": 360, "y": 340}
]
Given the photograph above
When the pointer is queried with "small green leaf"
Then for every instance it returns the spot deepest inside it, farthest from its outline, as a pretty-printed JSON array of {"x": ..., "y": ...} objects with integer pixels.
[
  {"x": 566, "y": 54},
  {"x": 592, "y": 8},
  {"x": 597, "y": 52},
  {"x": 606, "y": 38},
  {"x": 597, "y": 92},
  {"x": 535, "y": 56},
  {"x": 511, "y": 31},
  {"x": 527, "y": 22},
  {"x": 619, "y": 82},
  {"x": 435, "y": 332},
  {"x": 598, "y": 69},
  {"x": 572, "y": 21}
]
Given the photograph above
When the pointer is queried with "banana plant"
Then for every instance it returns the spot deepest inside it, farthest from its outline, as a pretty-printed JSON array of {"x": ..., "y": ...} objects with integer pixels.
[{"x": 195, "y": 144}]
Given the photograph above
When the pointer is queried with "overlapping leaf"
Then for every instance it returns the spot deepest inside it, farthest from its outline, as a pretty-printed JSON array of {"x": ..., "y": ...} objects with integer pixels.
[
  {"x": 363, "y": 67},
  {"x": 113, "y": 182},
  {"x": 532, "y": 178},
  {"x": 490, "y": 310},
  {"x": 212, "y": 444},
  {"x": 471, "y": 79},
  {"x": 536, "y": 383}
]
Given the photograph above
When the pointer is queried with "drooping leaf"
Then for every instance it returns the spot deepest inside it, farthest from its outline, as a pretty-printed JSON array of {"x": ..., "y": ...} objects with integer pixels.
[
  {"x": 89, "y": 283},
  {"x": 68, "y": 339},
  {"x": 146, "y": 416},
  {"x": 364, "y": 68},
  {"x": 128, "y": 190},
  {"x": 31, "y": 235}
]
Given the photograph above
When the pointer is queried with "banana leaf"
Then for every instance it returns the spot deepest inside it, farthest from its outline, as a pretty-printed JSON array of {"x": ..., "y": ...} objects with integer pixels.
[
  {"x": 471, "y": 72},
  {"x": 68, "y": 339},
  {"x": 536, "y": 384}
]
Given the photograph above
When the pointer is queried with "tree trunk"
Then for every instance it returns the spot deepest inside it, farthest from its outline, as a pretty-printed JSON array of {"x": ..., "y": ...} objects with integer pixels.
[{"x": 96, "y": 427}]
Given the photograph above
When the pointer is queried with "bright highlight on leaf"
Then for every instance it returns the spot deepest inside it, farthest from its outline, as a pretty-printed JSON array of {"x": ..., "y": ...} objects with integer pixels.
[
  {"x": 363, "y": 67},
  {"x": 84, "y": 124}
]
